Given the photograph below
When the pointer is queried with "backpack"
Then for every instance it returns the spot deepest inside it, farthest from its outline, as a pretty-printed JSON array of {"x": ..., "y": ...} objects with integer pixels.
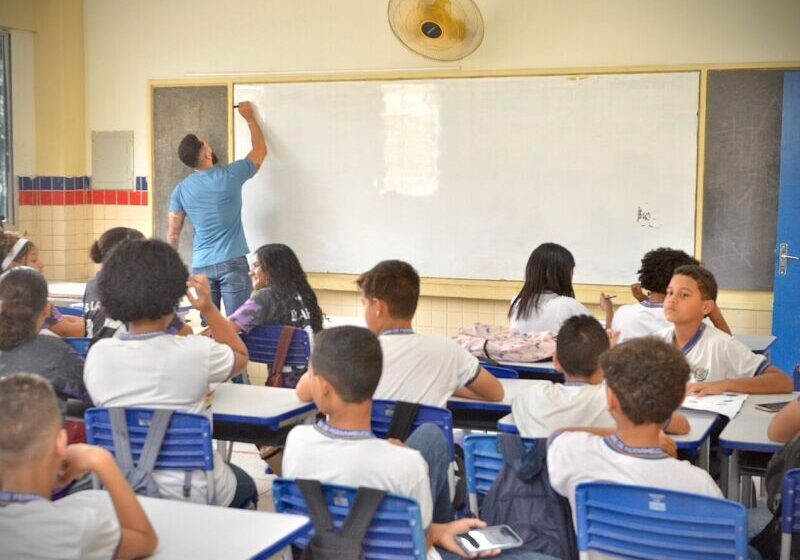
[
  {"x": 327, "y": 543},
  {"x": 140, "y": 475},
  {"x": 501, "y": 344},
  {"x": 768, "y": 541},
  {"x": 522, "y": 498}
]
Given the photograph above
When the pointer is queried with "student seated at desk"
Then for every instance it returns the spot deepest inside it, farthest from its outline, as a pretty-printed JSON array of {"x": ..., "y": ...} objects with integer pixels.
[
  {"x": 647, "y": 316},
  {"x": 719, "y": 363},
  {"x": 785, "y": 425},
  {"x": 281, "y": 296},
  {"x": 417, "y": 368},
  {"x": 34, "y": 458},
  {"x": 141, "y": 283},
  {"x": 98, "y": 323},
  {"x": 581, "y": 401},
  {"x": 345, "y": 370},
  {"x": 547, "y": 298},
  {"x": 23, "y": 309},
  {"x": 646, "y": 380},
  {"x": 17, "y": 251}
]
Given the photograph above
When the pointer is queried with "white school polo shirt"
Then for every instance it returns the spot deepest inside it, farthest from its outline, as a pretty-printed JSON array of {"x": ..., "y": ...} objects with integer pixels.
[
  {"x": 85, "y": 528},
  {"x": 423, "y": 369},
  {"x": 159, "y": 370},
  {"x": 714, "y": 355},
  {"x": 546, "y": 407},
  {"x": 577, "y": 457},
  {"x": 549, "y": 315},
  {"x": 639, "y": 319},
  {"x": 354, "y": 458}
]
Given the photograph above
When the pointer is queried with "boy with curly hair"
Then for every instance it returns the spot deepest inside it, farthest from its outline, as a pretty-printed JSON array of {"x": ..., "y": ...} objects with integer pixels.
[
  {"x": 646, "y": 380},
  {"x": 141, "y": 283}
]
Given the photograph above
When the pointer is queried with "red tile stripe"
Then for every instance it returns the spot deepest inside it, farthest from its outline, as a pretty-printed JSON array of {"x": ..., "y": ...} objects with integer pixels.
[{"x": 72, "y": 198}]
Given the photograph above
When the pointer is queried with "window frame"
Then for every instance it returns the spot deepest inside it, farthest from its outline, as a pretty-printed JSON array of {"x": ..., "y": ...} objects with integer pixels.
[{"x": 11, "y": 210}]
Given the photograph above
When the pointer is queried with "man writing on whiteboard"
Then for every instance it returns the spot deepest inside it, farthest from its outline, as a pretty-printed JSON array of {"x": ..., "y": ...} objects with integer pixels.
[{"x": 212, "y": 198}]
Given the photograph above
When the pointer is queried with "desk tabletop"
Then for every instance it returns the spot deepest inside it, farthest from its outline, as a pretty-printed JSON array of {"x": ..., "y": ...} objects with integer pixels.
[
  {"x": 700, "y": 424},
  {"x": 511, "y": 387},
  {"x": 757, "y": 344},
  {"x": 256, "y": 405},
  {"x": 748, "y": 429},
  {"x": 202, "y": 532}
]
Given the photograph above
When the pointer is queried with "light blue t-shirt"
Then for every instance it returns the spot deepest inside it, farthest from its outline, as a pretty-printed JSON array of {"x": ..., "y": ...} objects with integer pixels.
[{"x": 213, "y": 201}]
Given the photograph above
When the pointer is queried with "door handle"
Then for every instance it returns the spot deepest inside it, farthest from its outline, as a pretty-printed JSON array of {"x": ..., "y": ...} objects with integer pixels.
[{"x": 783, "y": 258}]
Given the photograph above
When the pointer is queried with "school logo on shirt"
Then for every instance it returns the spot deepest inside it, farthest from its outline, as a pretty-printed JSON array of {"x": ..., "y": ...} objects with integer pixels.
[{"x": 700, "y": 374}]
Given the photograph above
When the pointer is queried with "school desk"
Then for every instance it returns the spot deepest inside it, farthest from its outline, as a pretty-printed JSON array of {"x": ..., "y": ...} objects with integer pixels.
[
  {"x": 202, "y": 532},
  {"x": 757, "y": 344},
  {"x": 534, "y": 370},
  {"x": 747, "y": 431},
  {"x": 482, "y": 415},
  {"x": 256, "y": 414},
  {"x": 696, "y": 441}
]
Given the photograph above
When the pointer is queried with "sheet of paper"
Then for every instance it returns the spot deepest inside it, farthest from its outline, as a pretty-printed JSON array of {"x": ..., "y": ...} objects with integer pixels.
[{"x": 727, "y": 404}]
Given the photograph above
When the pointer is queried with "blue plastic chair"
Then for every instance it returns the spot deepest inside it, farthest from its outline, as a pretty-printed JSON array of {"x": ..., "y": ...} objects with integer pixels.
[
  {"x": 483, "y": 462},
  {"x": 382, "y": 412},
  {"x": 262, "y": 345},
  {"x": 790, "y": 504},
  {"x": 501, "y": 372},
  {"x": 396, "y": 532},
  {"x": 640, "y": 522},
  {"x": 186, "y": 446},
  {"x": 73, "y": 311},
  {"x": 79, "y": 344}
]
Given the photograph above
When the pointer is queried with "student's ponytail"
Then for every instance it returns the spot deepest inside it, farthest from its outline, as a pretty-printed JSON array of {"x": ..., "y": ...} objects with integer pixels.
[{"x": 23, "y": 297}]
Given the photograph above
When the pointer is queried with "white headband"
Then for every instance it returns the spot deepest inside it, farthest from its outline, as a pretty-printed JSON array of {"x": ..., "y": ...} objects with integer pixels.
[{"x": 15, "y": 251}]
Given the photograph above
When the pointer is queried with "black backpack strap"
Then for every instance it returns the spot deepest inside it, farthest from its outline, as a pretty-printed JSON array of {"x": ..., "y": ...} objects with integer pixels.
[
  {"x": 402, "y": 419},
  {"x": 510, "y": 446},
  {"x": 367, "y": 502},
  {"x": 122, "y": 440},
  {"x": 142, "y": 474},
  {"x": 316, "y": 504}
]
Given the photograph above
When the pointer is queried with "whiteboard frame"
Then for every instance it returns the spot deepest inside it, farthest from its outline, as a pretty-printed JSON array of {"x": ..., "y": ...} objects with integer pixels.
[{"x": 490, "y": 289}]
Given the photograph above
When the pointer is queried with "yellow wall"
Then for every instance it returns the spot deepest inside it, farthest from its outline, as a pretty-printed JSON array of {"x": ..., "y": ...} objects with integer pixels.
[{"x": 18, "y": 14}]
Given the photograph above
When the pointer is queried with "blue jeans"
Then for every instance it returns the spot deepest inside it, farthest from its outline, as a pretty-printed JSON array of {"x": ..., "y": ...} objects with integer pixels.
[
  {"x": 229, "y": 282},
  {"x": 429, "y": 440}
]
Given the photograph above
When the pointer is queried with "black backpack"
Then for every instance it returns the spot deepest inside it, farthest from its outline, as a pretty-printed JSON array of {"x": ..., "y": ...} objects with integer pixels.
[
  {"x": 522, "y": 498},
  {"x": 768, "y": 541},
  {"x": 327, "y": 543}
]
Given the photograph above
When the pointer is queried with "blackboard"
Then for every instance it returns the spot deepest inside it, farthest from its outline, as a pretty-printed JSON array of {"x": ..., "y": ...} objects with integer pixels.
[
  {"x": 178, "y": 111},
  {"x": 742, "y": 170}
]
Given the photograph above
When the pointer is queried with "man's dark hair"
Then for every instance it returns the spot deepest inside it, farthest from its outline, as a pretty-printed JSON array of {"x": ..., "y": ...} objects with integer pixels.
[
  {"x": 396, "y": 283},
  {"x": 658, "y": 266},
  {"x": 705, "y": 280},
  {"x": 189, "y": 150},
  {"x": 141, "y": 279},
  {"x": 350, "y": 359},
  {"x": 581, "y": 340},
  {"x": 649, "y": 378}
]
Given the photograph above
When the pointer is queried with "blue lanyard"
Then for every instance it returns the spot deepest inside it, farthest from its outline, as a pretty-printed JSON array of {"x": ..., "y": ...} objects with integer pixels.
[
  {"x": 615, "y": 443},
  {"x": 326, "y": 428},
  {"x": 15, "y": 498},
  {"x": 397, "y": 331}
]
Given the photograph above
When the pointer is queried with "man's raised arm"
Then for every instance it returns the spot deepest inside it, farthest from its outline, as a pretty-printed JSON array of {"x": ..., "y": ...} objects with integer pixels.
[{"x": 259, "y": 150}]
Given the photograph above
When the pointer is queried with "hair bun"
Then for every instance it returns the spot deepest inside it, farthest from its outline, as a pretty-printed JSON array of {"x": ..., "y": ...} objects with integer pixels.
[{"x": 95, "y": 253}]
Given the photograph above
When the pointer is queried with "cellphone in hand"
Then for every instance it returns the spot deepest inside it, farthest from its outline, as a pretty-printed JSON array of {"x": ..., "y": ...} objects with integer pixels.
[
  {"x": 772, "y": 406},
  {"x": 489, "y": 538}
]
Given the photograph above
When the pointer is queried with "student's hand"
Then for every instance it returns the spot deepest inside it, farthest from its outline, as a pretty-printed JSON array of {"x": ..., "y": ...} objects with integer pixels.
[
  {"x": 444, "y": 536},
  {"x": 636, "y": 290},
  {"x": 613, "y": 337},
  {"x": 605, "y": 302},
  {"x": 704, "y": 389},
  {"x": 81, "y": 459},
  {"x": 246, "y": 110},
  {"x": 667, "y": 444},
  {"x": 203, "y": 301}
]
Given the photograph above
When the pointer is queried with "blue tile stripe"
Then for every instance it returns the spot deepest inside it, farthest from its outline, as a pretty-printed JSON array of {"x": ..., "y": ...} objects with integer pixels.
[{"x": 81, "y": 183}]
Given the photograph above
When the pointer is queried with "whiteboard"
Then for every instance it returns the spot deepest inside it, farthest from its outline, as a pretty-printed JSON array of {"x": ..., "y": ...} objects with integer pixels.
[{"x": 464, "y": 177}]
